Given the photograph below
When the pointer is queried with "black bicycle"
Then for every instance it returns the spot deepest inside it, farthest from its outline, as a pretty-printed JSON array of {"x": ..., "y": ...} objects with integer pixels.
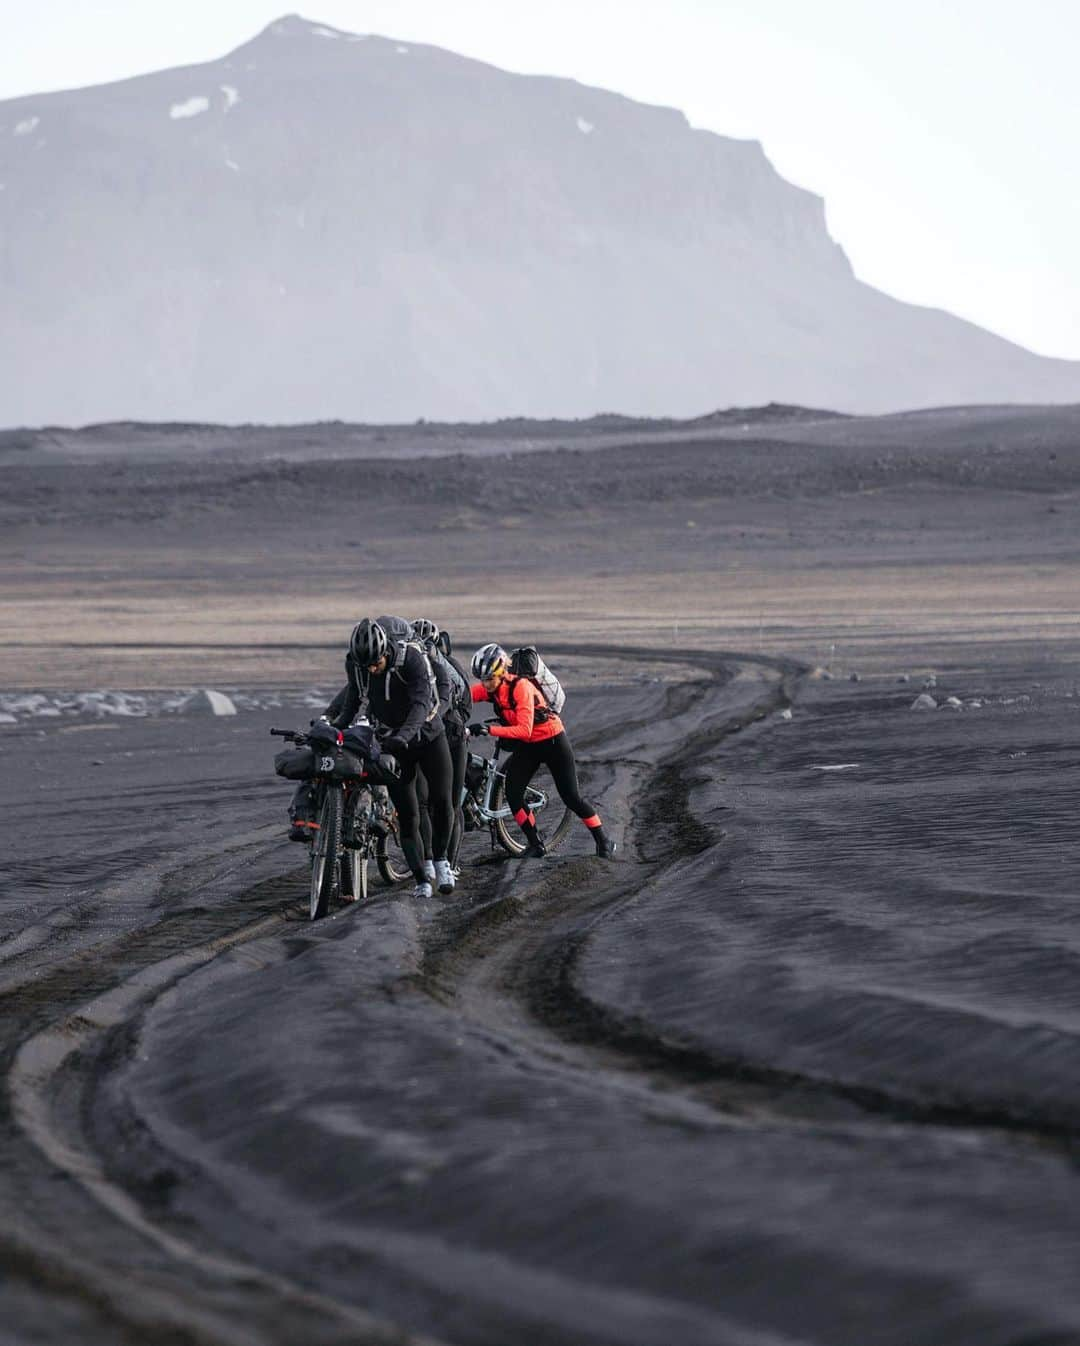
[{"x": 355, "y": 821}]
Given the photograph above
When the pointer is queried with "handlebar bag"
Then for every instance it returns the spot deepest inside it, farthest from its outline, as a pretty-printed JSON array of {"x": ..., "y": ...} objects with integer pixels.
[
  {"x": 295, "y": 763},
  {"x": 349, "y": 766},
  {"x": 360, "y": 739}
]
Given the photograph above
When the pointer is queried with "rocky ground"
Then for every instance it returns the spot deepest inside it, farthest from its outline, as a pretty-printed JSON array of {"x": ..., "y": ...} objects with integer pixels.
[{"x": 800, "y": 1067}]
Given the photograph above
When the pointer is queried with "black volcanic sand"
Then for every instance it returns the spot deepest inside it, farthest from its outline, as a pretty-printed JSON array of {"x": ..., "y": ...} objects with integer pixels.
[{"x": 801, "y": 1067}]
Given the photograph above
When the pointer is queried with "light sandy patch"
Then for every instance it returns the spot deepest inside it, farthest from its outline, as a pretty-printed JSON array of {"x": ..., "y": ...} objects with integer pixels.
[{"x": 135, "y": 632}]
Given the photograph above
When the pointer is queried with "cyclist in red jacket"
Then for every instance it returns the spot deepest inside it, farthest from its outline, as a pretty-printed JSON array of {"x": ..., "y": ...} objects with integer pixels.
[{"x": 536, "y": 737}]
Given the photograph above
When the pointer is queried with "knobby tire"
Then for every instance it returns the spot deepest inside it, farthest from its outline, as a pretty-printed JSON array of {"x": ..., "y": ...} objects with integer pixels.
[
  {"x": 326, "y": 854},
  {"x": 511, "y": 838},
  {"x": 390, "y": 859},
  {"x": 354, "y": 869}
]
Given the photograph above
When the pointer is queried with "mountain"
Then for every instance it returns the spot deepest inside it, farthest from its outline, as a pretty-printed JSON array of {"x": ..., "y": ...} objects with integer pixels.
[{"x": 322, "y": 225}]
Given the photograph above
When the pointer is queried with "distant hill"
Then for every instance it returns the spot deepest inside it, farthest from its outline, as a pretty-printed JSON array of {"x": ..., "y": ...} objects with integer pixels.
[
  {"x": 181, "y": 439},
  {"x": 324, "y": 226}
]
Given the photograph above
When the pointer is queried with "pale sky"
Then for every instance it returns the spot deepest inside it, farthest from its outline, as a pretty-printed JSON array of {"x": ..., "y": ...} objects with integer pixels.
[{"x": 941, "y": 133}]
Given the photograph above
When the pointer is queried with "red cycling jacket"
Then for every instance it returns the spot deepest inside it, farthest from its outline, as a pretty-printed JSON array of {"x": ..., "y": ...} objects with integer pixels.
[{"x": 523, "y": 713}]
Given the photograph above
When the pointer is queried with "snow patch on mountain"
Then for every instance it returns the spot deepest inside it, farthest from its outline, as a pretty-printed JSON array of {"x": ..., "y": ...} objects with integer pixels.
[
  {"x": 402, "y": 51},
  {"x": 586, "y": 128},
  {"x": 232, "y": 96},
  {"x": 25, "y": 127},
  {"x": 193, "y": 107},
  {"x": 319, "y": 31}
]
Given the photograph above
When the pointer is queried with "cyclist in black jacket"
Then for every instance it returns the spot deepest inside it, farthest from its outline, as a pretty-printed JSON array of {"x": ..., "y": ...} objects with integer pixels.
[
  {"x": 397, "y": 628},
  {"x": 394, "y": 677}
]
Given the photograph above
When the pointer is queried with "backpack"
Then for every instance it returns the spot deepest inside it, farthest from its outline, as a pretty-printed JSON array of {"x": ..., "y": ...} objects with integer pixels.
[
  {"x": 399, "y": 631},
  {"x": 433, "y": 685},
  {"x": 525, "y": 662},
  {"x": 460, "y": 696}
]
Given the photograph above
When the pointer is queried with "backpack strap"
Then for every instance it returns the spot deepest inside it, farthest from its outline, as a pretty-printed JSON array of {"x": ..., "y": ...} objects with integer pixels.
[
  {"x": 433, "y": 686},
  {"x": 541, "y": 713}
]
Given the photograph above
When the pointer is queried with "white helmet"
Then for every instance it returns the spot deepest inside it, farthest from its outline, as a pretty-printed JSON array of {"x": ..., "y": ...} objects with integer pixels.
[{"x": 489, "y": 660}]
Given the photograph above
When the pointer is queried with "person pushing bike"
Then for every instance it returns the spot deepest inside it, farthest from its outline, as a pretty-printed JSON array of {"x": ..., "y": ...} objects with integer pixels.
[
  {"x": 535, "y": 735},
  {"x": 395, "y": 678}
]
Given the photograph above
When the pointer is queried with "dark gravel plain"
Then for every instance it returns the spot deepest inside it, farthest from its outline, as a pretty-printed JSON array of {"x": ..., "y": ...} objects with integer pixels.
[{"x": 800, "y": 1068}]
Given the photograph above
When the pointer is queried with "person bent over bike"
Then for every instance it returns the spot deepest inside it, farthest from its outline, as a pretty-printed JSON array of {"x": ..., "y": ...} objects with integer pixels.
[
  {"x": 536, "y": 737},
  {"x": 400, "y": 629},
  {"x": 394, "y": 677}
]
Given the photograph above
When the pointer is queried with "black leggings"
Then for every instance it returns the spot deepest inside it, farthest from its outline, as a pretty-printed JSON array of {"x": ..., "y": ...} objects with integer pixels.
[
  {"x": 432, "y": 757},
  {"x": 558, "y": 756},
  {"x": 459, "y": 755}
]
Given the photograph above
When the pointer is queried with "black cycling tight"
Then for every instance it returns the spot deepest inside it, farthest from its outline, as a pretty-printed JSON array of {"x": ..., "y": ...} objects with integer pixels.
[
  {"x": 459, "y": 755},
  {"x": 433, "y": 759},
  {"x": 558, "y": 756}
]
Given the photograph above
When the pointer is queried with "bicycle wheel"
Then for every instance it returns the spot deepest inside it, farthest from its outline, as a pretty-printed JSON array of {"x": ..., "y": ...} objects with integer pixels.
[
  {"x": 326, "y": 853},
  {"x": 354, "y": 876},
  {"x": 389, "y": 857},
  {"x": 357, "y": 836},
  {"x": 510, "y": 836}
]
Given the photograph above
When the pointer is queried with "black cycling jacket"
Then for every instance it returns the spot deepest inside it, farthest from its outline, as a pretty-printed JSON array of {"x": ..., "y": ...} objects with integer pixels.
[
  {"x": 399, "y": 630},
  {"x": 399, "y": 699}
]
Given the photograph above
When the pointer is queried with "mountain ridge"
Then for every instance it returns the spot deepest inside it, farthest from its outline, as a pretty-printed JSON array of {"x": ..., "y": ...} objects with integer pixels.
[{"x": 323, "y": 225}]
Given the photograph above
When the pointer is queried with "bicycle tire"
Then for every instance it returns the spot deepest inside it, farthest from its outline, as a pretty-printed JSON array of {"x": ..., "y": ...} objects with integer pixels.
[
  {"x": 354, "y": 876},
  {"x": 354, "y": 866},
  {"x": 390, "y": 859},
  {"x": 326, "y": 854},
  {"x": 509, "y": 835}
]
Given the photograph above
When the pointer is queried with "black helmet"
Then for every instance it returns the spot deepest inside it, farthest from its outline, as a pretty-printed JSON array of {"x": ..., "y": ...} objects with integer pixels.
[
  {"x": 425, "y": 630},
  {"x": 368, "y": 643},
  {"x": 489, "y": 660}
]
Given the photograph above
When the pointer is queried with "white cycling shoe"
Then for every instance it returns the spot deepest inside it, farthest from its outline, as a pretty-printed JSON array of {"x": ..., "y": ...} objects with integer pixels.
[
  {"x": 422, "y": 889},
  {"x": 445, "y": 877},
  {"x": 429, "y": 871}
]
